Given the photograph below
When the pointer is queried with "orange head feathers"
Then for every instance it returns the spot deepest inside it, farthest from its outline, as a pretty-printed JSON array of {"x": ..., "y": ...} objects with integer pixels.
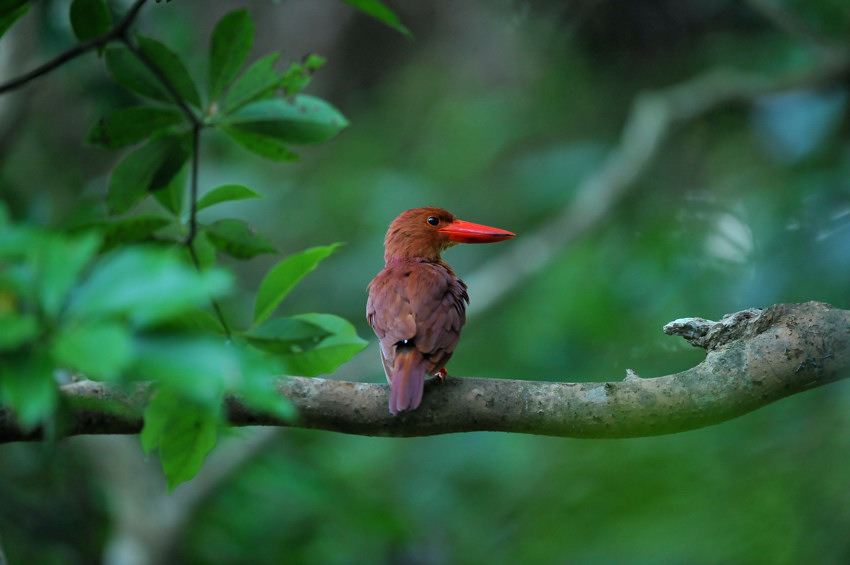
[{"x": 424, "y": 233}]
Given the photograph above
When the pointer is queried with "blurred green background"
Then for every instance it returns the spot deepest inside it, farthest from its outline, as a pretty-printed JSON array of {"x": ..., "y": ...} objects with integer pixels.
[{"x": 500, "y": 111}]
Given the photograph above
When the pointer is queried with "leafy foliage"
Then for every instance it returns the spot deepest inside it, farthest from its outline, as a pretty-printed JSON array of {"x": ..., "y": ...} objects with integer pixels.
[{"x": 123, "y": 299}]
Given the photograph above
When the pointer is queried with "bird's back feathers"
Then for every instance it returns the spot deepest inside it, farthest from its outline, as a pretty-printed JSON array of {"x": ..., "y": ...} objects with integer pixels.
[{"x": 417, "y": 309}]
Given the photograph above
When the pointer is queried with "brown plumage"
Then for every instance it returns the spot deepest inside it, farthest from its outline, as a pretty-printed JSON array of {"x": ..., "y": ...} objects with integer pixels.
[{"x": 417, "y": 306}]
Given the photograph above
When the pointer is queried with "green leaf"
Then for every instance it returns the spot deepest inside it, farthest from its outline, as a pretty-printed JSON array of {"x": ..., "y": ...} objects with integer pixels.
[
  {"x": 231, "y": 43},
  {"x": 238, "y": 239},
  {"x": 132, "y": 125},
  {"x": 226, "y": 193},
  {"x": 259, "y": 81},
  {"x": 381, "y": 13},
  {"x": 145, "y": 285},
  {"x": 12, "y": 10},
  {"x": 89, "y": 18},
  {"x": 183, "y": 432},
  {"x": 204, "y": 250},
  {"x": 17, "y": 329},
  {"x": 147, "y": 168},
  {"x": 199, "y": 367},
  {"x": 286, "y": 335},
  {"x": 134, "y": 75},
  {"x": 263, "y": 145},
  {"x": 99, "y": 350},
  {"x": 258, "y": 389},
  {"x": 172, "y": 68},
  {"x": 28, "y": 388},
  {"x": 187, "y": 439},
  {"x": 132, "y": 229},
  {"x": 156, "y": 416},
  {"x": 193, "y": 320},
  {"x": 283, "y": 277},
  {"x": 330, "y": 353},
  {"x": 298, "y": 75},
  {"x": 128, "y": 71},
  {"x": 171, "y": 196},
  {"x": 59, "y": 260},
  {"x": 306, "y": 119},
  {"x": 16, "y": 241}
]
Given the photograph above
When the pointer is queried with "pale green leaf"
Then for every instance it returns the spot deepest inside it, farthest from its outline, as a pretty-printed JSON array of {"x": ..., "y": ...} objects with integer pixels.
[
  {"x": 59, "y": 260},
  {"x": 305, "y": 119},
  {"x": 146, "y": 285},
  {"x": 330, "y": 353},
  {"x": 283, "y": 277},
  {"x": 16, "y": 329},
  {"x": 286, "y": 335},
  {"x": 99, "y": 350},
  {"x": 28, "y": 388},
  {"x": 226, "y": 193}
]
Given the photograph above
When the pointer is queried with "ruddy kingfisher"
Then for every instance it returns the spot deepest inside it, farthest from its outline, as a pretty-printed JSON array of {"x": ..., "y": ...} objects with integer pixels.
[{"x": 417, "y": 305}]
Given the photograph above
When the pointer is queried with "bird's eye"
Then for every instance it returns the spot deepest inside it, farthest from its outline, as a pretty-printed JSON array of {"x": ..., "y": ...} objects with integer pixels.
[{"x": 434, "y": 221}]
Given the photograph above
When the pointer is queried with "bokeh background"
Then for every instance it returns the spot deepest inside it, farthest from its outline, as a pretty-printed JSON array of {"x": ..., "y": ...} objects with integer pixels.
[{"x": 658, "y": 159}]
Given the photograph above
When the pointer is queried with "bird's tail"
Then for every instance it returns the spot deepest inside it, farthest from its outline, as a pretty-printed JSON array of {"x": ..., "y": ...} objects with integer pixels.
[{"x": 408, "y": 380}]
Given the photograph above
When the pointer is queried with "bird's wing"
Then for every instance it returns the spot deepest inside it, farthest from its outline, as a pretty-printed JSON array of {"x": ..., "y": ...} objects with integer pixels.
[
  {"x": 440, "y": 319},
  {"x": 420, "y": 302}
]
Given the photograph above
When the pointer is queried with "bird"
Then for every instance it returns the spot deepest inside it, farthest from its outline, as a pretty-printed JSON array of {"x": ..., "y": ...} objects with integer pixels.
[{"x": 417, "y": 305}]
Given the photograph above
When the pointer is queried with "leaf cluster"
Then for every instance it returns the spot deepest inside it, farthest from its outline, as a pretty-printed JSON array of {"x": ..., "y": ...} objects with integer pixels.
[{"x": 134, "y": 297}]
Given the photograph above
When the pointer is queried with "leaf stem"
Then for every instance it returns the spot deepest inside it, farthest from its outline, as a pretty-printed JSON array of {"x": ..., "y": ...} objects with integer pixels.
[
  {"x": 218, "y": 312},
  {"x": 193, "y": 185}
]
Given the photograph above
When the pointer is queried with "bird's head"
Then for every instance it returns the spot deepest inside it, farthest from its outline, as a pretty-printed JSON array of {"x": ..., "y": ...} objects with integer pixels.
[{"x": 423, "y": 233}]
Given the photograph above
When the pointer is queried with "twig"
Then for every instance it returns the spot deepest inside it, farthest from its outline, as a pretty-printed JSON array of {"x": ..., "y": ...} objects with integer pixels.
[{"x": 117, "y": 32}]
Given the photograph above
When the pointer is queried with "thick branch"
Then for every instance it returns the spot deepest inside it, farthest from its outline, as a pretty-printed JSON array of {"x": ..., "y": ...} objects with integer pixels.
[{"x": 753, "y": 358}]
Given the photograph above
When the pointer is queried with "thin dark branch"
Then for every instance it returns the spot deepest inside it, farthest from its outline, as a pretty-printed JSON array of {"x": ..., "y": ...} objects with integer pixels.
[
  {"x": 193, "y": 186},
  {"x": 116, "y": 33}
]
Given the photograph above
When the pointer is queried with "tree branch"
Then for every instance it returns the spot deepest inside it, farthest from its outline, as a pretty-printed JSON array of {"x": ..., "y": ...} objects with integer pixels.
[
  {"x": 117, "y": 32},
  {"x": 753, "y": 358}
]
